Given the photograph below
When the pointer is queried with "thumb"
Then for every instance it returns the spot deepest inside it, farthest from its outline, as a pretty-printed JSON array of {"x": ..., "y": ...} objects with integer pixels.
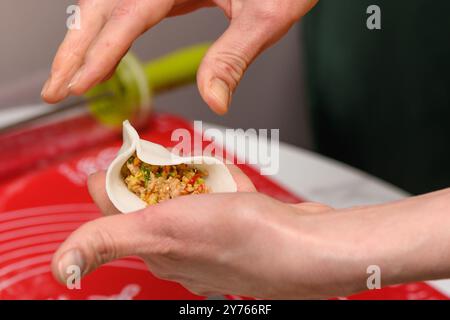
[
  {"x": 228, "y": 58},
  {"x": 98, "y": 242}
]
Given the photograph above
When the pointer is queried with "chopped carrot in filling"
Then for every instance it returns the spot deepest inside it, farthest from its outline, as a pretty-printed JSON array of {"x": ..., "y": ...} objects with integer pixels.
[{"x": 154, "y": 184}]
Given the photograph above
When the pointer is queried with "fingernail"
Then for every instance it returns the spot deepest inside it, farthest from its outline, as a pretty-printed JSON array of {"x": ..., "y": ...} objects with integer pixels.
[
  {"x": 75, "y": 78},
  {"x": 69, "y": 263},
  {"x": 221, "y": 91},
  {"x": 46, "y": 86}
]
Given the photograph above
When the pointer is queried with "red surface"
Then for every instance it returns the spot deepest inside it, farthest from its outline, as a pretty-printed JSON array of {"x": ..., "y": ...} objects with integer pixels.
[{"x": 39, "y": 207}]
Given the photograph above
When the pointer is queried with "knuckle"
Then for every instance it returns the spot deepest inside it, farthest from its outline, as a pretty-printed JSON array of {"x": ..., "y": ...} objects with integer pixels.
[
  {"x": 270, "y": 11},
  {"x": 103, "y": 246},
  {"x": 164, "y": 233},
  {"x": 160, "y": 222},
  {"x": 274, "y": 14},
  {"x": 167, "y": 249},
  {"x": 69, "y": 52},
  {"x": 58, "y": 67},
  {"x": 232, "y": 66},
  {"x": 123, "y": 9}
]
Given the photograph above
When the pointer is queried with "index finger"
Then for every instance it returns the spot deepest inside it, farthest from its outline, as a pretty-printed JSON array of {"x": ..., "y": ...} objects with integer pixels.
[
  {"x": 71, "y": 53},
  {"x": 96, "y": 186}
]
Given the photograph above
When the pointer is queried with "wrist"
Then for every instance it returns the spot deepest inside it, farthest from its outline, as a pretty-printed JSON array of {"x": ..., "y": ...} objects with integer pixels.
[
  {"x": 408, "y": 240},
  {"x": 326, "y": 258}
]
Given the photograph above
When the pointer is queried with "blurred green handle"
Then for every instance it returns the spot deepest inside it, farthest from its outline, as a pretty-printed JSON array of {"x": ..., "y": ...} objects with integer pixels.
[
  {"x": 133, "y": 84},
  {"x": 175, "y": 69}
]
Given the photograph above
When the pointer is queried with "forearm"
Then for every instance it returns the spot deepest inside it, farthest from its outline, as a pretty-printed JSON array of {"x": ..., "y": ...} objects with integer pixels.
[
  {"x": 408, "y": 240},
  {"x": 411, "y": 241}
]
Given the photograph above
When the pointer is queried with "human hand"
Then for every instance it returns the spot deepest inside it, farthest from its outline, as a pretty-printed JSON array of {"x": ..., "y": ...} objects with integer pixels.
[
  {"x": 248, "y": 244},
  {"x": 89, "y": 56},
  {"x": 240, "y": 243}
]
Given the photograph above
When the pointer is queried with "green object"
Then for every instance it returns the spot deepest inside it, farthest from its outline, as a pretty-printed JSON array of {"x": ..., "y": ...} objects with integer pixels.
[
  {"x": 175, "y": 69},
  {"x": 133, "y": 84},
  {"x": 380, "y": 99}
]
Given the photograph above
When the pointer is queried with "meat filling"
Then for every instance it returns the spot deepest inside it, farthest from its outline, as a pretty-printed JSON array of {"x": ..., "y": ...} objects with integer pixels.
[{"x": 154, "y": 184}]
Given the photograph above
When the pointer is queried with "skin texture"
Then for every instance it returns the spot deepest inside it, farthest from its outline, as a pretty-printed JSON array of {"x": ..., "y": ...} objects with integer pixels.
[
  {"x": 89, "y": 56},
  {"x": 252, "y": 245}
]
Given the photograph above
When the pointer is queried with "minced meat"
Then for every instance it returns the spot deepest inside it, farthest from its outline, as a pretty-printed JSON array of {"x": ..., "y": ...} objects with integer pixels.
[{"x": 154, "y": 184}]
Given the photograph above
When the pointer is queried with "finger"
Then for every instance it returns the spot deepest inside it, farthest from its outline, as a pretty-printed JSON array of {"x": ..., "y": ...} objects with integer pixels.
[
  {"x": 110, "y": 73},
  {"x": 229, "y": 57},
  {"x": 129, "y": 19},
  {"x": 243, "y": 182},
  {"x": 100, "y": 241},
  {"x": 71, "y": 52},
  {"x": 96, "y": 187}
]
